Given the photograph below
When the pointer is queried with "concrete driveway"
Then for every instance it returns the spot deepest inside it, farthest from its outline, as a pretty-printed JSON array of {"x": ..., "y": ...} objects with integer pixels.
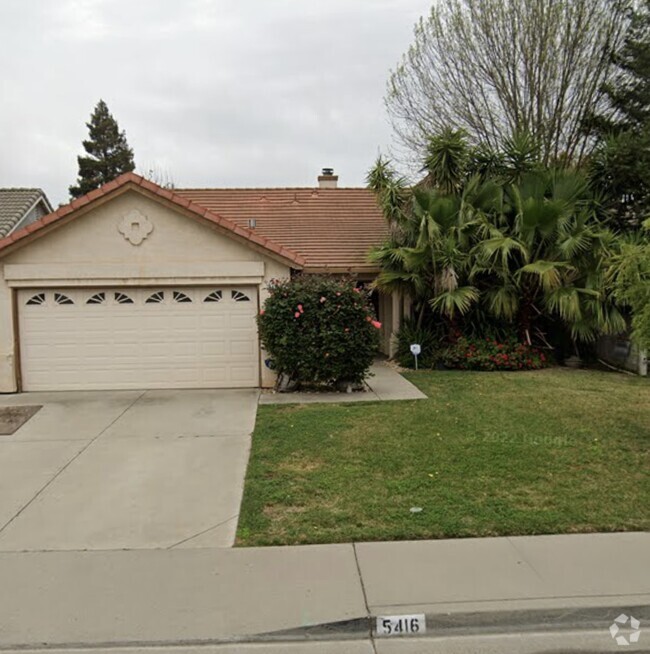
[{"x": 125, "y": 470}]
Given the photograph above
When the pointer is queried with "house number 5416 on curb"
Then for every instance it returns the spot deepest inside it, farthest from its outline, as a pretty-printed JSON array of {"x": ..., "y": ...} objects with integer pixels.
[{"x": 401, "y": 625}]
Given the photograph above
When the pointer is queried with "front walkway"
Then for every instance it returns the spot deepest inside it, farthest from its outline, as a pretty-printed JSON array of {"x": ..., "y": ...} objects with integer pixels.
[{"x": 384, "y": 384}]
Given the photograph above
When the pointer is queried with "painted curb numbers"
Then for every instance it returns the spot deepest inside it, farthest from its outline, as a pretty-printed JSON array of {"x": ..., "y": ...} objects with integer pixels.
[{"x": 401, "y": 625}]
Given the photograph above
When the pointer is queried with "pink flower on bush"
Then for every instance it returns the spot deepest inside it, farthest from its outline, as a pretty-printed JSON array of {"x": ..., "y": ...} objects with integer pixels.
[
  {"x": 322, "y": 299},
  {"x": 262, "y": 312},
  {"x": 376, "y": 324},
  {"x": 297, "y": 314},
  {"x": 300, "y": 308}
]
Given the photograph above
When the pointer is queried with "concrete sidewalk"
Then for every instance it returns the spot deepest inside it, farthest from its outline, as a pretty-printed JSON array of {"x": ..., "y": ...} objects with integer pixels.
[
  {"x": 385, "y": 383},
  {"x": 204, "y": 597}
]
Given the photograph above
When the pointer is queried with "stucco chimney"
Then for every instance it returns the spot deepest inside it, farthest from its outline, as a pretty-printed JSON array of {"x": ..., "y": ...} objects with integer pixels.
[{"x": 327, "y": 178}]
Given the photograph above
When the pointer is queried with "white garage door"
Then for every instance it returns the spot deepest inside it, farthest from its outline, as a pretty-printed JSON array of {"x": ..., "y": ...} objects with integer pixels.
[{"x": 138, "y": 338}]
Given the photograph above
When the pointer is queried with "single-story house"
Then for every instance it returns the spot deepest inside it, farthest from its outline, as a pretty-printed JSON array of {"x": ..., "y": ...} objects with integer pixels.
[
  {"x": 139, "y": 286},
  {"x": 20, "y": 207}
]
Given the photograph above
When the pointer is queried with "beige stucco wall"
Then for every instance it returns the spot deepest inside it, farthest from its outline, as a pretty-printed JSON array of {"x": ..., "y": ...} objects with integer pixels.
[{"x": 90, "y": 251}]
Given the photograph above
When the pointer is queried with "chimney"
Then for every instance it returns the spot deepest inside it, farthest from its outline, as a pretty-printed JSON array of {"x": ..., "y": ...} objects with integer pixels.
[{"x": 327, "y": 178}]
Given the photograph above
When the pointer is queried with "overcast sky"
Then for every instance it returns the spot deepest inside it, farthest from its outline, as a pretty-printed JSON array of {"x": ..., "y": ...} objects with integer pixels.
[{"x": 213, "y": 92}]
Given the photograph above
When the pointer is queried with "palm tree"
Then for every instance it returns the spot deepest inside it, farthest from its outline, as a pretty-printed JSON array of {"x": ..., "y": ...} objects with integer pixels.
[
  {"x": 518, "y": 251},
  {"x": 429, "y": 256},
  {"x": 544, "y": 256}
]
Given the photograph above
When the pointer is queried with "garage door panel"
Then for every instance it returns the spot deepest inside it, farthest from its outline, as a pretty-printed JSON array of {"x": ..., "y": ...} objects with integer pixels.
[
  {"x": 241, "y": 347},
  {"x": 241, "y": 374},
  {"x": 213, "y": 348},
  {"x": 240, "y": 322},
  {"x": 214, "y": 323},
  {"x": 109, "y": 344}
]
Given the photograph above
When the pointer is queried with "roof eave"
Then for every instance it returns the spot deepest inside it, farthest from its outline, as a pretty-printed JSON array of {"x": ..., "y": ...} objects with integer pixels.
[
  {"x": 131, "y": 181},
  {"x": 341, "y": 270}
]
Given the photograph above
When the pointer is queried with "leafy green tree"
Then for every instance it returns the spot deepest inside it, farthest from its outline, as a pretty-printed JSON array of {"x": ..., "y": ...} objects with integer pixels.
[
  {"x": 108, "y": 153},
  {"x": 629, "y": 275},
  {"x": 620, "y": 172}
]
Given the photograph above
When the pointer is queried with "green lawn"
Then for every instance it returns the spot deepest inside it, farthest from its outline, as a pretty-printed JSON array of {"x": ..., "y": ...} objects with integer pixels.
[{"x": 552, "y": 451}]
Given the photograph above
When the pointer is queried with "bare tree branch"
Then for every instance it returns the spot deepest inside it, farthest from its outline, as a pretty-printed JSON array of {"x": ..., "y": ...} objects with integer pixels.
[{"x": 495, "y": 67}]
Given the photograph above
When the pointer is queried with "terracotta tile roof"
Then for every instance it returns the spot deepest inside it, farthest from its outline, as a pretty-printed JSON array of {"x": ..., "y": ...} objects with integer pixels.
[
  {"x": 15, "y": 203},
  {"x": 138, "y": 182},
  {"x": 333, "y": 229}
]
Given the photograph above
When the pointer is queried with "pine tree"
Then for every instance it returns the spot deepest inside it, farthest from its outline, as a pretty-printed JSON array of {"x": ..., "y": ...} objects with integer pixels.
[
  {"x": 629, "y": 94},
  {"x": 109, "y": 155},
  {"x": 620, "y": 166}
]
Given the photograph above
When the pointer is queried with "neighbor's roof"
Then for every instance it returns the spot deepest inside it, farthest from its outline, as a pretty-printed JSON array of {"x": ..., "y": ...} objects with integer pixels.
[
  {"x": 15, "y": 203},
  {"x": 333, "y": 229},
  {"x": 127, "y": 181}
]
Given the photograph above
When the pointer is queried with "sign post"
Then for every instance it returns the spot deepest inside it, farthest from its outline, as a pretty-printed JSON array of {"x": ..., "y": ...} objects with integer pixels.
[{"x": 415, "y": 351}]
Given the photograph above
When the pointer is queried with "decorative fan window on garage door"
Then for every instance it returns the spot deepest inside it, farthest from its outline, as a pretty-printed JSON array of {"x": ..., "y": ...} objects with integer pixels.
[
  {"x": 122, "y": 298},
  {"x": 181, "y": 297},
  {"x": 215, "y": 296},
  {"x": 156, "y": 298},
  {"x": 238, "y": 296},
  {"x": 35, "y": 300},
  {"x": 98, "y": 298},
  {"x": 60, "y": 298}
]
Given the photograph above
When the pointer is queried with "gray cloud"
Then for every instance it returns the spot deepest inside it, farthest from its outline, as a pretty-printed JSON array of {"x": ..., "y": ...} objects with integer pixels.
[{"x": 216, "y": 92}]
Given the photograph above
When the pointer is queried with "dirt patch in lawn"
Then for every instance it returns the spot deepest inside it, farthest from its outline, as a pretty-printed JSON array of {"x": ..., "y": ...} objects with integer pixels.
[
  {"x": 14, "y": 417},
  {"x": 297, "y": 464},
  {"x": 278, "y": 511}
]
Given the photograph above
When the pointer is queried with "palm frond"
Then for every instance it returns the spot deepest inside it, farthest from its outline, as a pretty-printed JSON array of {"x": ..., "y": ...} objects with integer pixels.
[
  {"x": 549, "y": 273},
  {"x": 574, "y": 244},
  {"x": 502, "y": 247},
  {"x": 451, "y": 303},
  {"x": 567, "y": 302},
  {"x": 502, "y": 302}
]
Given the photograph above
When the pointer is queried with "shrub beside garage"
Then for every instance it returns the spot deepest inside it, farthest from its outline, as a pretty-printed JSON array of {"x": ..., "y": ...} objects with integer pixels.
[{"x": 319, "y": 330}]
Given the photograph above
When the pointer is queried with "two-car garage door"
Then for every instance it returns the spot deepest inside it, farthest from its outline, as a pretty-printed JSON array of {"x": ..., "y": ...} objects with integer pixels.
[{"x": 127, "y": 338}]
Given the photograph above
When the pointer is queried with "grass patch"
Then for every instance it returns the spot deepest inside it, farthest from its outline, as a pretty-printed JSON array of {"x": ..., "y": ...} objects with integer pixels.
[{"x": 488, "y": 454}]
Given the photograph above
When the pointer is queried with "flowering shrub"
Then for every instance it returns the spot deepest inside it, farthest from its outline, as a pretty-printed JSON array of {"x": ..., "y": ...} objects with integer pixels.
[
  {"x": 491, "y": 354},
  {"x": 319, "y": 329}
]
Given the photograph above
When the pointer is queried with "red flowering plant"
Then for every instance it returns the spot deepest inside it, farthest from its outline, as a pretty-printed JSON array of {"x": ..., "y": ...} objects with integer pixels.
[
  {"x": 493, "y": 354},
  {"x": 319, "y": 330}
]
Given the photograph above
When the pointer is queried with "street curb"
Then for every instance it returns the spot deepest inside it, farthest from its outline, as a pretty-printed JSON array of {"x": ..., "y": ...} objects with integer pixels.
[
  {"x": 438, "y": 625},
  {"x": 472, "y": 623}
]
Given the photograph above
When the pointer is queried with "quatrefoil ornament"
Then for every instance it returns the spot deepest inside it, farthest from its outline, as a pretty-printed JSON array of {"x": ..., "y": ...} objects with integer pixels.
[{"x": 135, "y": 227}]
